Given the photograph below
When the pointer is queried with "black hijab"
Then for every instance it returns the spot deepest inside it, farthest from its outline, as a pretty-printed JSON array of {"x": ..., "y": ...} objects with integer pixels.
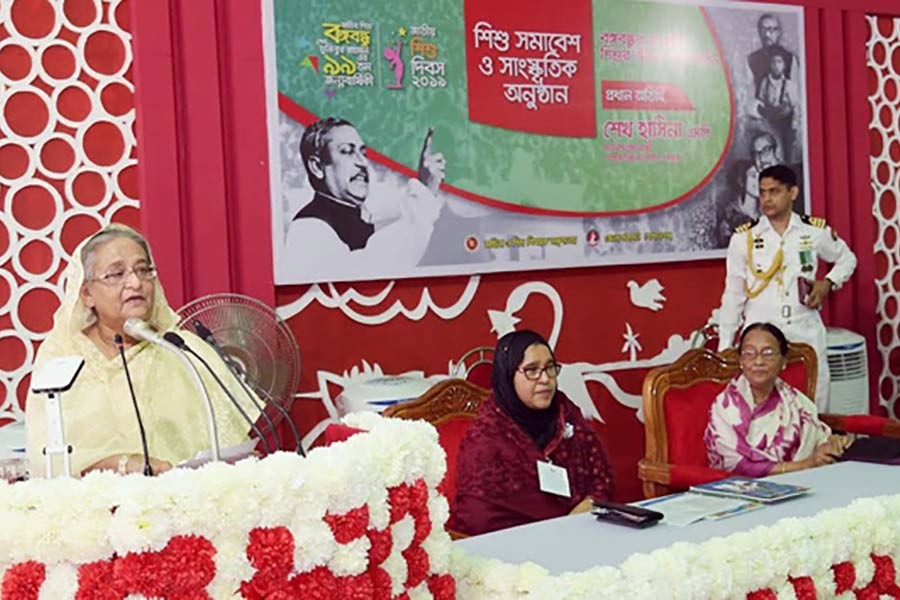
[{"x": 540, "y": 425}]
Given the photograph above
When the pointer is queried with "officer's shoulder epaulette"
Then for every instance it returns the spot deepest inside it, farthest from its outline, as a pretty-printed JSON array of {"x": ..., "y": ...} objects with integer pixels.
[
  {"x": 746, "y": 226},
  {"x": 814, "y": 221}
]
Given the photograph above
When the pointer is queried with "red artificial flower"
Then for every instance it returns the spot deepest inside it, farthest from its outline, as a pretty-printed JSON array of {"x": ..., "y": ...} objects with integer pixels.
[
  {"x": 271, "y": 551},
  {"x": 357, "y": 587},
  {"x": 442, "y": 587},
  {"x": 381, "y": 584},
  {"x": 181, "y": 570},
  {"x": 804, "y": 587},
  {"x": 350, "y": 525},
  {"x": 844, "y": 577},
  {"x": 419, "y": 494},
  {"x": 867, "y": 593},
  {"x": 96, "y": 582},
  {"x": 380, "y": 548},
  {"x": 764, "y": 594},
  {"x": 885, "y": 577},
  {"x": 23, "y": 581},
  {"x": 417, "y": 566},
  {"x": 399, "y": 499},
  {"x": 318, "y": 584},
  {"x": 184, "y": 566},
  {"x": 423, "y": 526}
]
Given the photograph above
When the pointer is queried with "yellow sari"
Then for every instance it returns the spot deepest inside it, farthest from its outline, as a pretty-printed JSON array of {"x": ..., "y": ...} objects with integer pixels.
[{"x": 98, "y": 415}]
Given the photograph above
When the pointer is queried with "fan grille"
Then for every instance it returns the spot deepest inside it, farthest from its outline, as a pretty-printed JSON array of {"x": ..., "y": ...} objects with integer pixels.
[{"x": 254, "y": 336}]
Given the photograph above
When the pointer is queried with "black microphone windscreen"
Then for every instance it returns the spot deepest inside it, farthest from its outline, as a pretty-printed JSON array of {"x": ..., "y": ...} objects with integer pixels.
[
  {"x": 203, "y": 331},
  {"x": 174, "y": 339}
]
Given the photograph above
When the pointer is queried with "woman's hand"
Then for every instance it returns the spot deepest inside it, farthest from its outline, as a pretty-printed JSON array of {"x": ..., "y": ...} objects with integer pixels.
[
  {"x": 128, "y": 463},
  {"x": 840, "y": 443},
  {"x": 583, "y": 506},
  {"x": 135, "y": 464},
  {"x": 156, "y": 465},
  {"x": 826, "y": 452}
]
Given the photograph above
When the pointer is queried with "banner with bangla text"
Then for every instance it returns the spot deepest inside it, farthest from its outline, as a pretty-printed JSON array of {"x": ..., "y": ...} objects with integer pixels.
[{"x": 416, "y": 139}]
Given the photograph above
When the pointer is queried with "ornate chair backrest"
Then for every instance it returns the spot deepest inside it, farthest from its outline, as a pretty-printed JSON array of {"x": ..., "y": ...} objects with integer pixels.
[
  {"x": 677, "y": 398},
  {"x": 476, "y": 365},
  {"x": 451, "y": 406}
]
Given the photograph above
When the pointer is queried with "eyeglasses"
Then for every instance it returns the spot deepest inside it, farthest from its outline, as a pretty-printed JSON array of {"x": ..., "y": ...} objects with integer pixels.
[
  {"x": 115, "y": 278},
  {"x": 534, "y": 373},
  {"x": 767, "y": 354},
  {"x": 768, "y": 149}
]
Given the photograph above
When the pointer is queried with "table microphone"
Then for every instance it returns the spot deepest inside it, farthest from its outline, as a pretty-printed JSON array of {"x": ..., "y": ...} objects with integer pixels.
[
  {"x": 177, "y": 341},
  {"x": 148, "y": 471},
  {"x": 207, "y": 336},
  {"x": 210, "y": 339},
  {"x": 141, "y": 330}
]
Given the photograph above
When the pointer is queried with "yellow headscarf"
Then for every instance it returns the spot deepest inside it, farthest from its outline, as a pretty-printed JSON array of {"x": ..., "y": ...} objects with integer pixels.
[
  {"x": 73, "y": 317},
  {"x": 98, "y": 415}
]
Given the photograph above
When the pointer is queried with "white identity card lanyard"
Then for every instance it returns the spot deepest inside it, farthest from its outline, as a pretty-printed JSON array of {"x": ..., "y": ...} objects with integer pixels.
[{"x": 553, "y": 479}]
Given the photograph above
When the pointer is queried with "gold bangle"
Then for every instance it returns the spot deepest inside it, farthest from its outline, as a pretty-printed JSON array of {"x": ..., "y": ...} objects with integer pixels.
[{"x": 123, "y": 464}]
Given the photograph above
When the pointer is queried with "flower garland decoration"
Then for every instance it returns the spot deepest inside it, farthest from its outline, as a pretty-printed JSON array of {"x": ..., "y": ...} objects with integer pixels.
[
  {"x": 849, "y": 552},
  {"x": 359, "y": 519}
]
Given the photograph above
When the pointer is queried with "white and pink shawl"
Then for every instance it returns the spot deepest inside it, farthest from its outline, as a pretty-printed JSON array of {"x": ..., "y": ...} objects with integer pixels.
[{"x": 750, "y": 439}]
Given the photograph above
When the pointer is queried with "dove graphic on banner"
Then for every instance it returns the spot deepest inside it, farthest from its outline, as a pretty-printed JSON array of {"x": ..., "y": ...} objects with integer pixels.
[{"x": 648, "y": 295}]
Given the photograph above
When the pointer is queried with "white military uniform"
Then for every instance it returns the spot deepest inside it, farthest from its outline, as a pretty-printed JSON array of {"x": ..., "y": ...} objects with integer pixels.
[{"x": 761, "y": 283}]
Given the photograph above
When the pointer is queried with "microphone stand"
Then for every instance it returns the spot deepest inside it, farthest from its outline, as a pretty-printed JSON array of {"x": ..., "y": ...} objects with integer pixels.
[
  {"x": 148, "y": 471},
  {"x": 137, "y": 328},
  {"x": 210, "y": 339},
  {"x": 177, "y": 341}
]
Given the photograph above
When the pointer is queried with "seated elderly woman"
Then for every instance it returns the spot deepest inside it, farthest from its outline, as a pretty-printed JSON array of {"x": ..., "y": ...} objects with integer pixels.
[
  {"x": 529, "y": 455},
  {"x": 111, "y": 278},
  {"x": 759, "y": 425}
]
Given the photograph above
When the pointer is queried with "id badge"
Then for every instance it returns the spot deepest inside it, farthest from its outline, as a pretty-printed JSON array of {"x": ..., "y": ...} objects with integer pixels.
[{"x": 553, "y": 479}]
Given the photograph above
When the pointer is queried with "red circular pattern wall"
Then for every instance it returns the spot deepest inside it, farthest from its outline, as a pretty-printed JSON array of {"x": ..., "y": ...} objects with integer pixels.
[
  {"x": 883, "y": 55},
  {"x": 67, "y": 159}
]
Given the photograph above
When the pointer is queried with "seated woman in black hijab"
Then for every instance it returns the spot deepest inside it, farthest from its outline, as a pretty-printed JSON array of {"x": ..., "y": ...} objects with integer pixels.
[{"x": 529, "y": 455}]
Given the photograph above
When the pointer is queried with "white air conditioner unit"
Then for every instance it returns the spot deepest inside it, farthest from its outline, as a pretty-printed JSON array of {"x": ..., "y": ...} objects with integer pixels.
[{"x": 849, "y": 372}]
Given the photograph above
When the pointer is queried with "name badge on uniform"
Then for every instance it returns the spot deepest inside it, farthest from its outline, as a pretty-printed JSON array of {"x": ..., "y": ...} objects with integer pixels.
[{"x": 553, "y": 479}]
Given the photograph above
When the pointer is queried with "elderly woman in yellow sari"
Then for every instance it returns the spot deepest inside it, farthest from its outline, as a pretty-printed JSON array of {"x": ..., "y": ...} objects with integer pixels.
[{"x": 111, "y": 278}]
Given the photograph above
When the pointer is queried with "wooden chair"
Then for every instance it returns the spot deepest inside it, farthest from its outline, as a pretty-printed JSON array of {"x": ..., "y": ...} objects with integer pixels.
[
  {"x": 476, "y": 365},
  {"x": 677, "y": 399},
  {"x": 451, "y": 406}
]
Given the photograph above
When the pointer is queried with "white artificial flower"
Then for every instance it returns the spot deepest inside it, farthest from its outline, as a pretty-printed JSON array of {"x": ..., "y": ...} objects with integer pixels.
[
  {"x": 420, "y": 592},
  {"x": 60, "y": 583},
  {"x": 351, "y": 558},
  {"x": 395, "y": 566},
  {"x": 403, "y": 532},
  {"x": 314, "y": 545}
]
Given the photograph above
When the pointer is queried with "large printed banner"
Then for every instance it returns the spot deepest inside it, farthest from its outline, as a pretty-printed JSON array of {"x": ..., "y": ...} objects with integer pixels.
[{"x": 464, "y": 136}]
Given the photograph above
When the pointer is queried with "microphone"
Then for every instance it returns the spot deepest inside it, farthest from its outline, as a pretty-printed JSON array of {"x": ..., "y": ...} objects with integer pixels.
[
  {"x": 210, "y": 339},
  {"x": 148, "y": 471},
  {"x": 177, "y": 341},
  {"x": 207, "y": 336},
  {"x": 139, "y": 329}
]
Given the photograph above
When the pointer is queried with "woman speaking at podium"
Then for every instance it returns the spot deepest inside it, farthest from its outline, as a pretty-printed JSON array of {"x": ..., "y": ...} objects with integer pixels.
[{"x": 110, "y": 279}]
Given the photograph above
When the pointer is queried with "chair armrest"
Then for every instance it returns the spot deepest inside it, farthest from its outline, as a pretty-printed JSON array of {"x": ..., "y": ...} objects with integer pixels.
[
  {"x": 684, "y": 476},
  {"x": 865, "y": 424},
  {"x": 663, "y": 478}
]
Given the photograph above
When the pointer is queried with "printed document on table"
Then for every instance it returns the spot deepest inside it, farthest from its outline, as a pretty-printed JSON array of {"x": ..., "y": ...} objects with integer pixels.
[{"x": 684, "y": 509}]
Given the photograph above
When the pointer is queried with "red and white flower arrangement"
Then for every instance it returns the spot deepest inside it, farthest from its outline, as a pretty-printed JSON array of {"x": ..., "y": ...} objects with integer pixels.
[
  {"x": 851, "y": 552},
  {"x": 359, "y": 519}
]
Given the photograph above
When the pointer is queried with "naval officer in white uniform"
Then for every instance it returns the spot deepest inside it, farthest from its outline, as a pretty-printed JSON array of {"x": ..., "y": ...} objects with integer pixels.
[{"x": 771, "y": 271}]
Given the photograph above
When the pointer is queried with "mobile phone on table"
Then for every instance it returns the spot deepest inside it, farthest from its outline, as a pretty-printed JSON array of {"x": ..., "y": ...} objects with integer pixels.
[{"x": 625, "y": 514}]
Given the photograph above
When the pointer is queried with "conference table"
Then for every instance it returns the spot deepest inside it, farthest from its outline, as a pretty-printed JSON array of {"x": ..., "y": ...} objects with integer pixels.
[{"x": 579, "y": 542}]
